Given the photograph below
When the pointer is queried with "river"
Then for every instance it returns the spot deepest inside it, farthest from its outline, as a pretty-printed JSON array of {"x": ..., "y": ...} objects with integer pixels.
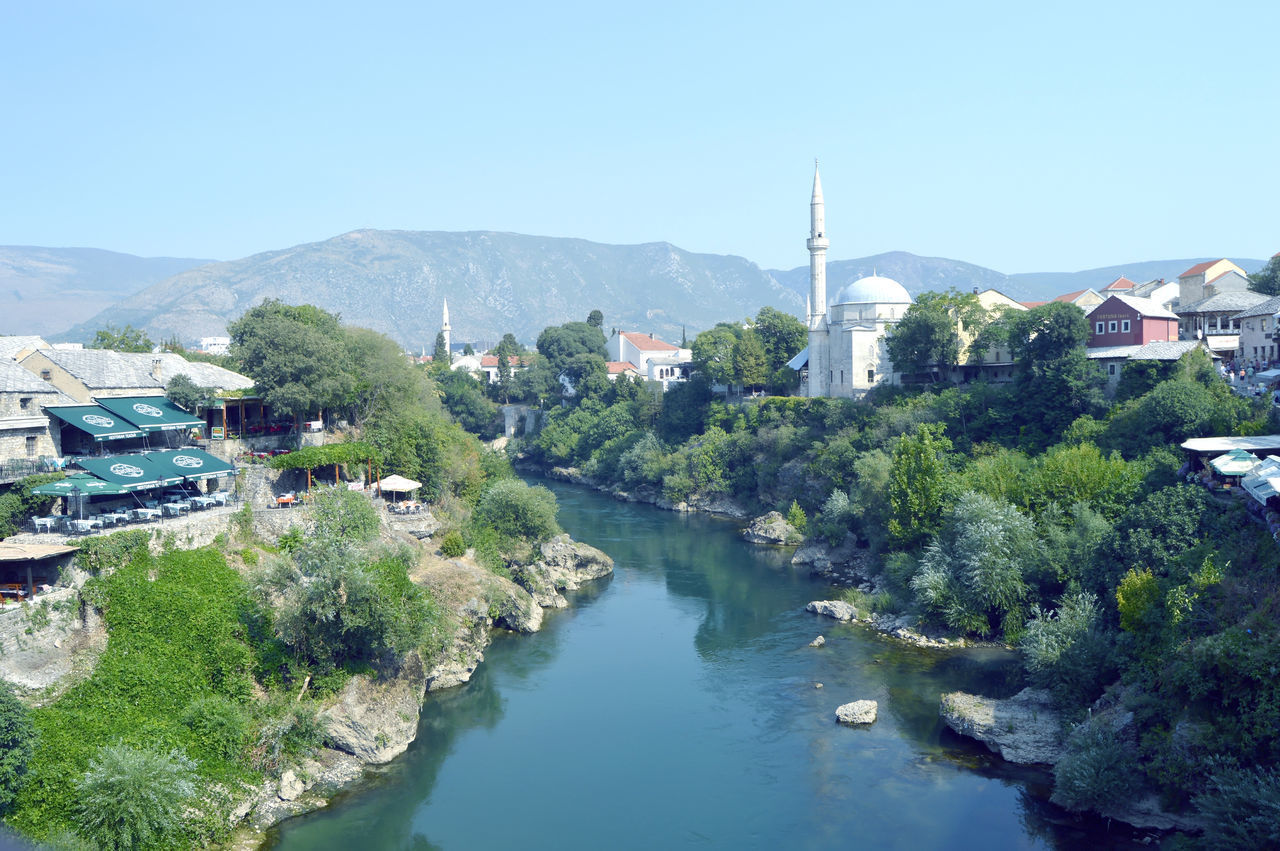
[{"x": 674, "y": 705}]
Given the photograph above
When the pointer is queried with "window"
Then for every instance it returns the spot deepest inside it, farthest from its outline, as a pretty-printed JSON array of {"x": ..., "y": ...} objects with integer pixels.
[
  {"x": 46, "y": 375},
  {"x": 1098, "y": 328},
  {"x": 1124, "y": 326},
  {"x": 31, "y": 446},
  {"x": 842, "y": 376},
  {"x": 871, "y": 376},
  {"x": 1111, "y": 326},
  {"x": 25, "y": 403},
  {"x": 1111, "y": 369}
]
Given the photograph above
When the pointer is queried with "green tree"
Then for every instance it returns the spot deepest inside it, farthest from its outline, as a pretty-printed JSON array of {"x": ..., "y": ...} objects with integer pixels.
[
  {"x": 750, "y": 366},
  {"x": 1056, "y": 383},
  {"x": 595, "y": 319},
  {"x": 509, "y": 346},
  {"x": 971, "y": 575},
  {"x": 186, "y": 394},
  {"x": 467, "y": 350},
  {"x": 134, "y": 798},
  {"x": 713, "y": 352},
  {"x": 343, "y": 516},
  {"x": 781, "y": 335},
  {"x": 440, "y": 354},
  {"x": 1267, "y": 279},
  {"x": 516, "y": 510},
  {"x": 559, "y": 344},
  {"x": 126, "y": 339},
  {"x": 296, "y": 355},
  {"x": 17, "y": 742},
  {"x": 382, "y": 381},
  {"x": 917, "y": 485},
  {"x": 927, "y": 338}
]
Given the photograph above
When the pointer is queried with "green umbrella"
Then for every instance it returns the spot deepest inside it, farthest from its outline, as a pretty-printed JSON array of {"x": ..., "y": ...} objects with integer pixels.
[{"x": 82, "y": 482}]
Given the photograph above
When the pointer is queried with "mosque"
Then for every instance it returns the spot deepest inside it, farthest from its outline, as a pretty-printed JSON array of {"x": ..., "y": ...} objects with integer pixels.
[{"x": 847, "y": 355}]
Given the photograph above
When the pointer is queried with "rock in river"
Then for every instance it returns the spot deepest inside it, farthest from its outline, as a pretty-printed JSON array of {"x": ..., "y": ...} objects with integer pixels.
[
  {"x": 856, "y": 713},
  {"x": 1024, "y": 728},
  {"x": 837, "y": 609},
  {"x": 771, "y": 528}
]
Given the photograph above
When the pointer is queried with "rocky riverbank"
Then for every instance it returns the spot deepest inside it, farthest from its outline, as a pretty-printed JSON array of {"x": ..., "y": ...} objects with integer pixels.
[{"x": 374, "y": 719}]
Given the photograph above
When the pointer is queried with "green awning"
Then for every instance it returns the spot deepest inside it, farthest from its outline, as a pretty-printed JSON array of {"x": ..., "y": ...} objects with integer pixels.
[
  {"x": 151, "y": 413},
  {"x": 191, "y": 464},
  {"x": 82, "y": 482},
  {"x": 131, "y": 472},
  {"x": 96, "y": 421}
]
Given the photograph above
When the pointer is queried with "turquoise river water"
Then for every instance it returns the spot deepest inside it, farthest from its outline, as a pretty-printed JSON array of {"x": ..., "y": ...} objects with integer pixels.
[{"x": 674, "y": 705}]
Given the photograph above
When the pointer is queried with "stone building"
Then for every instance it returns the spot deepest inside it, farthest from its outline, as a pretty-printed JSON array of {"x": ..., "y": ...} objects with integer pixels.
[
  {"x": 1124, "y": 320},
  {"x": 1259, "y": 330},
  {"x": 847, "y": 355},
  {"x": 25, "y": 433},
  {"x": 86, "y": 374}
]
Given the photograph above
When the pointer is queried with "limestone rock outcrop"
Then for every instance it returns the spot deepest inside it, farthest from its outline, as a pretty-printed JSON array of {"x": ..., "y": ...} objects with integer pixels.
[
  {"x": 771, "y": 528},
  {"x": 1025, "y": 728},
  {"x": 375, "y": 719}
]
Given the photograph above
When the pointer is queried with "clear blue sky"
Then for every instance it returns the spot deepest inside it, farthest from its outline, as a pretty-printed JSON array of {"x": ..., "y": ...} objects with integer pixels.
[{"x": 1020, "y": 136}]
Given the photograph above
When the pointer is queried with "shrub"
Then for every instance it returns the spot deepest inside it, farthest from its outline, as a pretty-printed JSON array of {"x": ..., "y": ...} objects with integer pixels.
[
  {"x": 290, "y": 730},
  {"x": 516, "y": 510},
  {"x": 105, "y": 553},
  {"x": 343, "y": 515},
  {"x": 796, "y": 517},
  {"x": 832, "y": 522},
  {"x": 291, "y": 541},
  {"x": 452, "y": 545},
  {"x": 133, "y": 797},
  {"x": 17, "y": 741},
  {"x": 1241, "y": 808},
  {"x": 1097, "y": 770},
  {"x": 1065, "y": 653},
  {"x": 218, "y": 723}
]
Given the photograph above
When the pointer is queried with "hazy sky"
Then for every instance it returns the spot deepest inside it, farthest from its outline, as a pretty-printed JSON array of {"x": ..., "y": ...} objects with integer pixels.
[{"x": 1021, "y": 136}]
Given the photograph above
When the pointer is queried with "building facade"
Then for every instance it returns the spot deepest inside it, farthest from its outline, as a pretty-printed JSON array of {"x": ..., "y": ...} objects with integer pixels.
[
  {"x": 1124, "y": 320},
  {"x": 847, "y": 354}
]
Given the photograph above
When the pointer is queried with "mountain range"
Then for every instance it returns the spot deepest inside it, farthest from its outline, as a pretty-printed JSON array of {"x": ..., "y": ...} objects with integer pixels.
[{"x": 396, "y": 282}]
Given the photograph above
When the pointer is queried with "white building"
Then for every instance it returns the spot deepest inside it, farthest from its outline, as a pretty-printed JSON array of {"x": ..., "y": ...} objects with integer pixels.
[
  {"x": 652, "y": 358},
  {"x": 215, "y": 345},
  {"x": 847, "y": 355}
]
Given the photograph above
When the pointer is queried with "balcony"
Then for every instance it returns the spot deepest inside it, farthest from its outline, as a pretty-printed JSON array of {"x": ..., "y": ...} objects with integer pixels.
[{"x": 19, "y": 468}]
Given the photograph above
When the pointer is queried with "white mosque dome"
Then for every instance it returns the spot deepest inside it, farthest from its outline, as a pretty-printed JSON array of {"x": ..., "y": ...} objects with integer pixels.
[{"x": 873, "y": 290}]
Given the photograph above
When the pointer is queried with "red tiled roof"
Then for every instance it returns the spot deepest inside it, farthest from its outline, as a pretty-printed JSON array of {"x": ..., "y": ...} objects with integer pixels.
[
  {"x": 1120, "y": 283},
  {"x": 1070, "y": 297},
  {"x": 617, "y": 367},
  {"x": 1032, "y": 303},
  {"x": 645, "y": 343},
  {"x": 492, "y": 360},
  {"x": 1198, "y": 269}
]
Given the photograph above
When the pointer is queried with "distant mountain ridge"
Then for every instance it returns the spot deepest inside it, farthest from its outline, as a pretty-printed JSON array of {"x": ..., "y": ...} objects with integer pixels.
[
  {"x": 44, "y": 290},
  {"x": 395, "y": 282}
]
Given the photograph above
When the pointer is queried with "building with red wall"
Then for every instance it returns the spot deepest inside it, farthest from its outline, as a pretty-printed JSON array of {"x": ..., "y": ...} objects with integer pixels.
[{"x": 1123, "y": 320}]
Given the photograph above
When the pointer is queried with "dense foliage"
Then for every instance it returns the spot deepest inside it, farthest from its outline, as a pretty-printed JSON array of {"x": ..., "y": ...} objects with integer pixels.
[{"x": 1037, "y": 511}]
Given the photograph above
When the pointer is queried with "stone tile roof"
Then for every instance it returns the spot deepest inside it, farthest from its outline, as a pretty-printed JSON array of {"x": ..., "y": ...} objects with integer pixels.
[
  {"x": 1104, "y": 352},
  {"x": 10, "y": 346},
  {"x": 1223, "y": 302},
  {"x": 15, "y": 379},
  {"x": 1164, "y": 350},
  {"x": 1145, "y": 306},
  {"x": 1262, "y": 308},
  {"x": 100, "y": 369}
]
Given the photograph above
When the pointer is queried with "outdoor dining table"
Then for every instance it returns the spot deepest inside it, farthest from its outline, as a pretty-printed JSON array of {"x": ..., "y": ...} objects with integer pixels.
[
  {"x": 116, "y": 517},
  {"x": 174, "y": 509},
  {"x": 85, "y": 526},
  {"x": 45, "y": 523},
  {"x": 201, "y": 501},
  {"x": 146, "y": 513},
  {"x": 219, "y": 497}
]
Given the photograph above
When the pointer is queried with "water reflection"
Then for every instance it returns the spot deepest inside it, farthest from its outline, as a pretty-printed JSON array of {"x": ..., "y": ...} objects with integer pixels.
[{"x": 676, "y": 705}]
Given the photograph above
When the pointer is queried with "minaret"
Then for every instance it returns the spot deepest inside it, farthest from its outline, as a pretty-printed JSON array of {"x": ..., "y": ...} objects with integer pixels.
[
  {"x": 819, "y": 381},
  {"x": 448, "y": 332}
]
